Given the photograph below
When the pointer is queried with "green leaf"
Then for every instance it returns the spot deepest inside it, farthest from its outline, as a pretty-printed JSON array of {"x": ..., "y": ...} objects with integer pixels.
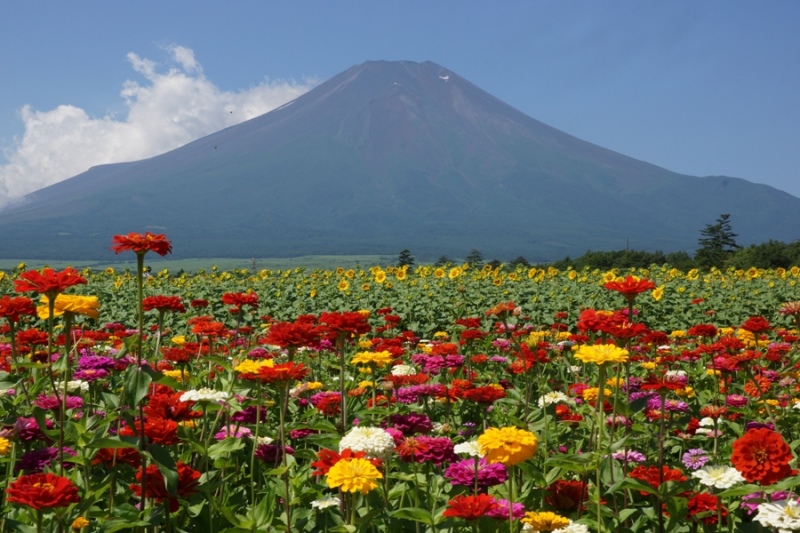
[
  {"x": 416, "y": 514},
  {"x": 119, "y": 442},
  {"x": 137, "y": 383},
  {"x": 225, "y": 447}
]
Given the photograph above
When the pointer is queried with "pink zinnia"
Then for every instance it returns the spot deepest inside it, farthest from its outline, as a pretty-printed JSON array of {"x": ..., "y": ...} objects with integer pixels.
[{"x": 489, "y": 474}]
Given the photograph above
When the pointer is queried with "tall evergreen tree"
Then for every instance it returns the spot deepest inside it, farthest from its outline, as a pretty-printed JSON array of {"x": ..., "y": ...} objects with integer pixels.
[
  {"x": 475, "y": 258},
  {"x": 717, "y": 243},
  {"x": 405, "y": 258}
]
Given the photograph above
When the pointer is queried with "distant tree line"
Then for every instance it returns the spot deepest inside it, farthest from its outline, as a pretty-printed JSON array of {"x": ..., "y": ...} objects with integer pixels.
[{"x": 717, "y": 248}]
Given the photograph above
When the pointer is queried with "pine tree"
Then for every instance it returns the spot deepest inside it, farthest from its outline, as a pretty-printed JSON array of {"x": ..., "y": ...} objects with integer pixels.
[
  {"x": 405, "y": 258},
  {"x": 475, "y": 258},
  {"x": 717, "y": 243}
]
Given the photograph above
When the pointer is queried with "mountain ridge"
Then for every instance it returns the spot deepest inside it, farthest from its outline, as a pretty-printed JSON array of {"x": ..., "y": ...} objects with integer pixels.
[{"x": 386, "y": 156}]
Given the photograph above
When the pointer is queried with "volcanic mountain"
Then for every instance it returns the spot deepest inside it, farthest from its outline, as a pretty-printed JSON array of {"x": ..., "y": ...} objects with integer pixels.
[{"x": 387, "y": 156}]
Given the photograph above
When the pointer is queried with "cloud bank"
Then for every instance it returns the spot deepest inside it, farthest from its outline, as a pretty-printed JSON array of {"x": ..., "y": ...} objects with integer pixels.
[{"x": 175, "y": 105}]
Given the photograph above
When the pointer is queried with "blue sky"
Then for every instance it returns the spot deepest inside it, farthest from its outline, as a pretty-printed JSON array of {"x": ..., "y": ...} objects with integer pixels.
[{"x": 702, "y": 88}]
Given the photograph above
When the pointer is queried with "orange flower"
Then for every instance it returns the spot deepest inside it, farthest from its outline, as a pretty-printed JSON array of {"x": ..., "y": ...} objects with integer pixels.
[
  {"x": 762, "y": 456},
  {"x": 141, "y": 244},
  {"x": 282, "y": 372},
  {"x": 470, "y": 507},
  {"x": 758, "y": 387},
  {"x": 42, "y": 491}
]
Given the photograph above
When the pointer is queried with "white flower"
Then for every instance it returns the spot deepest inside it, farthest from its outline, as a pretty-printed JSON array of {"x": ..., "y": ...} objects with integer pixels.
[
  {"x": 720, "y": 477},
  {"x": 403, "y": 370},
  {"x": 375, "y": 442},
  {"x": 707, "y": 422},
  {"x": 675, "y": 374},
  {"x": 783, "y": 515},
  {"x": 327, "y": 501},
  {"x": 263, "y": 440},
  {"x": 204, "y": 395},
  {"x": 72, "y": 386},
  {"x": 471, "y": 448},
  {"x": 572, "y": 528},
  {"x": 554, "y": 397}
]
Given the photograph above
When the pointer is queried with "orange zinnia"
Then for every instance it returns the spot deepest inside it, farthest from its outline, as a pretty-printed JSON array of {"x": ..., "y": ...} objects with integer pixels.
[
  {"x": 470, "y": 507},
  {"x": 762, "y": 456},
  {"x": 630, "y": 286},
  {"x": 282, "y": 372},
  {"x": 141, "y": 244}
]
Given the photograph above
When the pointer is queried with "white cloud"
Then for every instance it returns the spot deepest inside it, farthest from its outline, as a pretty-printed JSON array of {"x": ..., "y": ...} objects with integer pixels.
[{"x": 168, "y": 110}]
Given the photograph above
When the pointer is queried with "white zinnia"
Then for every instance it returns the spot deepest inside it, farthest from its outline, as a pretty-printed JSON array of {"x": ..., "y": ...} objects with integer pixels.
[
  {"x": 403, "y": 370},
  {"x": 72, "y": 386},
  {"x": 471, "y": 448},
  {"x": 554, "y": 397},
  {"x": 783, "y": 515},
  {"x": 327, "y": 501},
  {"x": 204, "y": 395},
  {"x": 720, "y": 477},
  {"x": 375, "y": 442},
  {"x": 572, "y": 528}
]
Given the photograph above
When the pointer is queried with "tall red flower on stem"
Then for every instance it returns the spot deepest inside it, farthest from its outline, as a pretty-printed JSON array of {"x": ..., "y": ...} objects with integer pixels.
[
  {"x": 630, "y": 286},
  {"x": 42, "y": 491},
  {"x": 14, "y": 308},
  {"x": 153, "y": 481},
  {"x": 172, "y": 304},
  {"x": 141, "y": 244},
  {"x": 48, "y": 281},
  {"x": 470, "y": 506}
]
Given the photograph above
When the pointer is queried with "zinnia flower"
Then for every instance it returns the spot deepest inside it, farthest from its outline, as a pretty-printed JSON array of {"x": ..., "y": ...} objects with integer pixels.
[
  {"x": 470, "y": 507},
  {"x": 354, "y": 475},
  {"x": 172, "y": 304},
  {"x": 630, "y": 286},
  {"x": 376, "y": 442},
  {"x": 157, "y": 488},
  {"x": 141, "y": 244},
  {"x": 762, "y": 456},
  {"x": 48, "y": 281},
  {"x": 488, "y": 474},
  {"x": 42, "y": 491},
  {"x": 545, "y": 521},
  {"x": 14, "y": 308},
  {"x": 783, "y": 515},
  {"x": 600, "y": 354},
  {"x": 508, "y": 445},
  {"x": 70, "y": 303}
]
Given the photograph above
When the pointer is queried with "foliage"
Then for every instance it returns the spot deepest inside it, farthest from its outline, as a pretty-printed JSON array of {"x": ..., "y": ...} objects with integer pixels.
[{"x": 717, "y": 243}]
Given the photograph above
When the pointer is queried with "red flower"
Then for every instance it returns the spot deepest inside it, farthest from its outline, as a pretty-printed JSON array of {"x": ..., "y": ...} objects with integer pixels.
[
  {"x": 141, "y": 244},
  {"x": 630, "y": 286},
  {"x": 293, "y": 334},
  {"x": 156, "y": 487},
  {"x": 502, "y": 309},
  {"x": 42, "y": 491},
  {"x": 470, "y": 507},
  {"x": 198, "y": 303},
  {"x": 707, "y": 504},
  {"x": 662, "y": 383},
  {"x": 328, "y": 458},
  {"x": 566, "y": 496},
  {"x": 48, "y": 281},
  {"x": 703, "y": 330},
  {"x": 762, "y": 456},
  {"x": 283, "y": 372},
  {"x": 487, "y": 394},
  {"x": 238, "y": 299},
  {"x": 157, "y": 430},
  {"x": 650, "y": 475},
  {"x": 14, "y": 308},
  {"x": 345, "y": 323},
  {"x": 113, "y": 457},
  {"x": 756, "y": 325},
  {"x": 164, "y": 303}
]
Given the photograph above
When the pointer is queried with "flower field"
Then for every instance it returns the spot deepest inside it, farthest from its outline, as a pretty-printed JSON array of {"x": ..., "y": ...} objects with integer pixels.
[{"x": 398, "y": 399}]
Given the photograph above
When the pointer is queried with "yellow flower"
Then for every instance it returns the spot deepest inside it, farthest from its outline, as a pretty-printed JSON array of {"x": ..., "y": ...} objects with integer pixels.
[
  {"x": 615, "y": 382},
  {"x": 454, "y": 272},
  {"x": 313, "y": 385},
  {"x": 438, "y": 273},
  {"x": 545, "y": 521},
  {"x": 648, "y": 365},
  {"x": 178, "y": 375},
  {"x": 590, "y": 394},
  {"x": 379, "y": 359},
  {"x": 380, "y": 276},
  {"x": 508, "y": 445},
  {"x": 249, "y": 366},
  {"x": 5, "y": 446},
  {"x": 179, "y": 339},
  {"x": 79, "y": 523},
  {"x": 350, "y": 273},
  {"x": 401, "y": 274},
  {"x": 441, "y": 334},
  {"x": 686, "y": 392},
  {"x": 343, "y": 285},
  {"x": 70, "y": 303},
  {"x": 366, "y": 384},
  {"x": 678, "y": 334},
  {"x": 188, "y": 424},
  {"x": 601, "y": 354},
  {"x": 658, "y": 293},
  {"x": 354, "y": 475},
  {"x": 365, "y": 287}
]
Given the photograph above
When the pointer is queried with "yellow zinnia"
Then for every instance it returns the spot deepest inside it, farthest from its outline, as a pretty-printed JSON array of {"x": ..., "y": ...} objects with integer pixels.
[
  {"x": 601, "y": 354},
  {"x": 354, "y": 475},
  {"x": 508, "y": 445},
  {"x": 70, "y": 303},
  {"x": 5, "y": 446},
  {"x": 250, "y": 366},
  {"x": 379, "y": 359},
  {"x": 545, "y": 521}
]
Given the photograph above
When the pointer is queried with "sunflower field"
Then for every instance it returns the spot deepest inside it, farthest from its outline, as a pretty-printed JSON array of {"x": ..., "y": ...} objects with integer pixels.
[{"x": 398, "y": 399}]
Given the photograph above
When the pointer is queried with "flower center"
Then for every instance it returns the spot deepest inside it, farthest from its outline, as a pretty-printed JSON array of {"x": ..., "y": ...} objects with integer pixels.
[{"x": 44, "y": 486}]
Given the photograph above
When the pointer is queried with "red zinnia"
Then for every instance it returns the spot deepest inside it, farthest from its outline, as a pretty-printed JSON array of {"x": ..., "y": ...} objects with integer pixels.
[
  {"x": 650, "y": 475},
  {"x": 762, "y": 456},
  {"x": 293, "y": 334},
  {"x": 470, "y": 507},
  {"x": 141, "y": 244},
  {"x": 328, "y": 458},
  {"x": 756, "y": 325},
  {"x": 282, "y": 372},
  {"x": 164, "y": 303},
  {"x": 486, "y": 394},
  {"x": 630, "y": 286},
  {"x": 156, "y": 487},
  {"x": 42, "y": 491},
  {"x": 567, "y": 496},
  {"x": 238, "y": 299},
  {"x": 48, "y": 281},
  {"x": 353, "y": 323},
  {"x": 14, "y": 308},
  {"x": 707, "y": 504}
]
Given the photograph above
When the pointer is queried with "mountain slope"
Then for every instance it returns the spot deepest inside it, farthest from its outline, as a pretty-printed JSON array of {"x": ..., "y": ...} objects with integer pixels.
[{"x": 386, "y": 156}]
